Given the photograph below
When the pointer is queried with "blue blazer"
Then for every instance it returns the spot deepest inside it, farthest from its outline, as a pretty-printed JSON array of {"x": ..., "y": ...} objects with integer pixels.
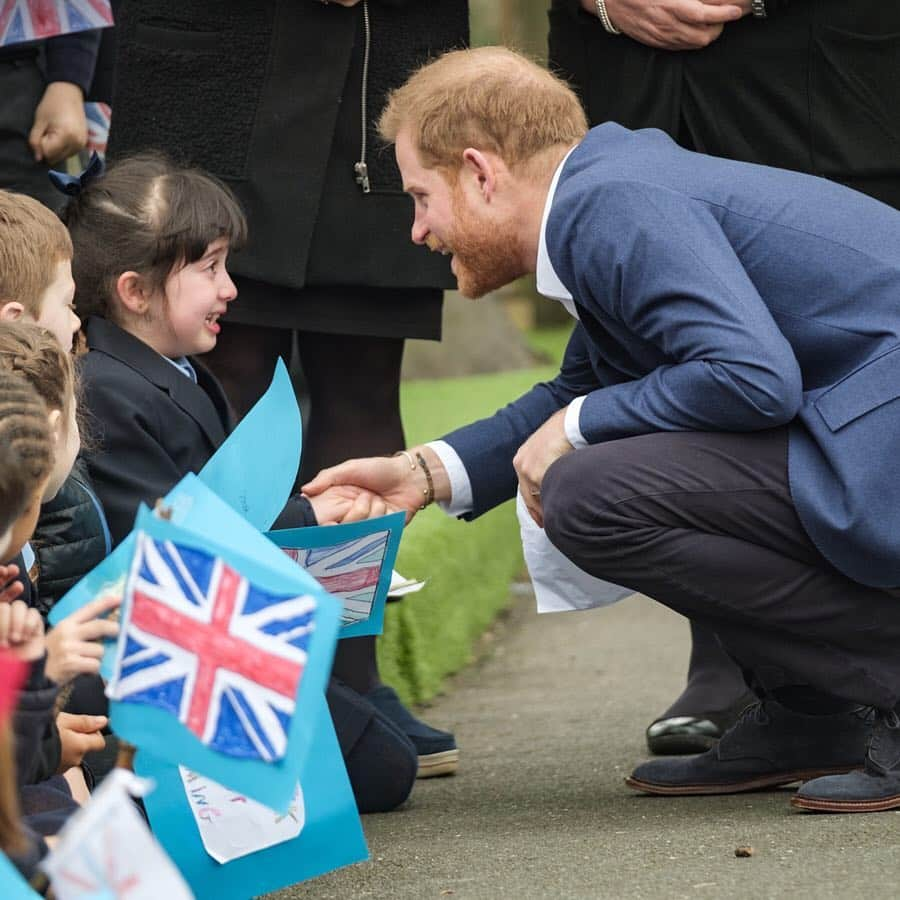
[{"x": 723, "y": 296}]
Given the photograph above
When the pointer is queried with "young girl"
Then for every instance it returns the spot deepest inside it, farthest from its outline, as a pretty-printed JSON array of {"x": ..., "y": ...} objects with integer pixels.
[
  {"x": 151, "y": 243},
  {"x": 28, "y": 469},
  {"x": 31, "y": 354}
]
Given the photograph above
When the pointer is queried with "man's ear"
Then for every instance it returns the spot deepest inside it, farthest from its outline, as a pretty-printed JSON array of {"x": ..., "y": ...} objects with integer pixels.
[
  {"x": 483, "y": 169},
  {"x": 11, "y": 311},
  {"x": 132, "y": 293}
]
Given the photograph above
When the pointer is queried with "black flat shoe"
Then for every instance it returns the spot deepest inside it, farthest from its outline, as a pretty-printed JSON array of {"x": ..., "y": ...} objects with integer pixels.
[{"x": 682, "y": 735}]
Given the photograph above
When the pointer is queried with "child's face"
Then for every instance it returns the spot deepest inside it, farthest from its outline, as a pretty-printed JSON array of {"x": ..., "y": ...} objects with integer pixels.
[
  {"x": 196, "y": 297},
  {"x": 57, "y": 314},
  {"x": 67, "y": 444}
]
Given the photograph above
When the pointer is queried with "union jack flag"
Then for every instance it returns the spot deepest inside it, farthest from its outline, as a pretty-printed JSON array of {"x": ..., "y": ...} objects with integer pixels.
[
  {"x": 98, "y": 117},
  {"x": 349, "y": 570},
  {"x": 204, "y": 643},
  {"x": 33, "y": 20}
]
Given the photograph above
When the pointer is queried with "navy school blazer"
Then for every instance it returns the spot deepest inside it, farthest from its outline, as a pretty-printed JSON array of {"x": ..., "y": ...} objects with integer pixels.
[
  {"x": 723, "y": 296},
  {"x": 148, "y": 425}
]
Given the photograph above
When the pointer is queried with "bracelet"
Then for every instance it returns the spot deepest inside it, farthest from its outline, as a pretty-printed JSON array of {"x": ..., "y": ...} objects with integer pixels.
[
  {"x": 758, "y": 9},
  {"x": 605, "y": 20},
  {"x": 409, "y": 459},
  {"x": 429, "y": 490}
]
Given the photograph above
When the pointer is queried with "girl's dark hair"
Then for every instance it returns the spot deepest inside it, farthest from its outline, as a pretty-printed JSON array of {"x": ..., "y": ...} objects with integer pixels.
[{"x": 148, "y": 215}]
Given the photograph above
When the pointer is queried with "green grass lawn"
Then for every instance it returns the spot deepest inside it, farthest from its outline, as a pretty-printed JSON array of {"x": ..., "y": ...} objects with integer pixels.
[{"x": 468, "y": 565}]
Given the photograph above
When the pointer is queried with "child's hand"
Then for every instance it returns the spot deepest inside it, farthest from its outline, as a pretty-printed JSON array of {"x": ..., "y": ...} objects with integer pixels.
[
  {"x": 74, "y": 646},
  {"x": 347, "y": 503},
  {"x": 22, "y": 630},
  {"x": 78, "y": 735},
  {"x": 10, "y": 590}
]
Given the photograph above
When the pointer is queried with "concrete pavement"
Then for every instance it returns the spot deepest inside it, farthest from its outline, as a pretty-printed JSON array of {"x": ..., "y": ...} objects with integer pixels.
[{"x": 549, "y": 723}]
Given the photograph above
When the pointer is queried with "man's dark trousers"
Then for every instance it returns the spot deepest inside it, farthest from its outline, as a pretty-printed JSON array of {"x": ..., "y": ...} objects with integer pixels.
[{"x": 704, "y": 523}]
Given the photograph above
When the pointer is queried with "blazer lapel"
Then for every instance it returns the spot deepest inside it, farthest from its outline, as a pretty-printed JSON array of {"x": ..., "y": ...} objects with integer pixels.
[{"x": 191, "y": 398}]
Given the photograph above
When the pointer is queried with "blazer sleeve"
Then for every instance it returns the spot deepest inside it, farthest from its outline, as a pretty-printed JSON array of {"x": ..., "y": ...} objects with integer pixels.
[
  {"x": 127, "y": 458},
  {"x": 487, "y": 447},
  {"x": 660, "y": 264},
  {"x": 37, "y": 740}
]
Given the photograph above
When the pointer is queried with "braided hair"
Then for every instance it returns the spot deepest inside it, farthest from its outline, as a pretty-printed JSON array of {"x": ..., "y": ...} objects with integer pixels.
[{"x": 26, "y": 446}]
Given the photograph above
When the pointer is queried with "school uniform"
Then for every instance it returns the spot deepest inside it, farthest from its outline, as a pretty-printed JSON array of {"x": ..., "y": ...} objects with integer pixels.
[{"x": 150, "y": 423}]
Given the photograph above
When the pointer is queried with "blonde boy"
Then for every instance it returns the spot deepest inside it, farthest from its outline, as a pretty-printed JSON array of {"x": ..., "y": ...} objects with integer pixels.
[{"x": 36, "y": 267}]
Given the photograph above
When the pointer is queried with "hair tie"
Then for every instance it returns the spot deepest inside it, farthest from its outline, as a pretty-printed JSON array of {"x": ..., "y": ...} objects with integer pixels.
[{"x": 73, "y": 185}]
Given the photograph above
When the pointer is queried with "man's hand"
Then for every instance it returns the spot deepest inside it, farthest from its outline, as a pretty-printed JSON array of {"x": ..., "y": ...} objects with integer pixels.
[
  {"x": 60, "y": 125},
  {"x": 74, "y": 646},
  {"x": 78, "y": 735},
  {"x": 22, "y": 630},
  {"x": 672, "y": 24},
  {"x": 347, "y": 503},
  {"x": 534, "y": 457},
  {"x": 399, "y": 485}
]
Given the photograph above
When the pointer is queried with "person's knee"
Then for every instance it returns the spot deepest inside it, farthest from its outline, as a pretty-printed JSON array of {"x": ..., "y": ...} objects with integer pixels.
[
  {"x": 382, "y": 767},
  {"x": 578, "y": 498},
  {"x": 559, "y": 502}
]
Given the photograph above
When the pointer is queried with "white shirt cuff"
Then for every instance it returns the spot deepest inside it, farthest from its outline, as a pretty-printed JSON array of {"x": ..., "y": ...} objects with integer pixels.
[
  {"x": 573, "y": 430},
  {"x": 460, "y": 487}
]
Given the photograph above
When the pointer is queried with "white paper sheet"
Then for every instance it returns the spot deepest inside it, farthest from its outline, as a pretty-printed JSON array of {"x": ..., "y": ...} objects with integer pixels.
[
  {"x": 231, "y": 825},
  {"x": 559, "y": 585},
  {"x": 401, "y": 586}
]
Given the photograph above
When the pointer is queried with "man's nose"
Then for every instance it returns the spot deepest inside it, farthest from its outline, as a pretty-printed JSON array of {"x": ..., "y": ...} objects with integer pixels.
[{"x": 419, "y": 232}]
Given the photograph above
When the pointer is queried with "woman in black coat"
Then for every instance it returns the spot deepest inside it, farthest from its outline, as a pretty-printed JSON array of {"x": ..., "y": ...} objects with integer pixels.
[
  {"x": 812, "y": 86},
  {"x": 279, "y": 98}
]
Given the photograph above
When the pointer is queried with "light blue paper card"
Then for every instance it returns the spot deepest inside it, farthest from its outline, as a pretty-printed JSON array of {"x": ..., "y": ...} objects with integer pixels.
[
  {"x": 13, "y": 886},
  {"x": 353, "y": 562},
  {"x": 332, "y": 835},
  {"x": 255, "y": 468},
  {"x": 108, "y": 576},
  {"x": 161, "y": 733}
]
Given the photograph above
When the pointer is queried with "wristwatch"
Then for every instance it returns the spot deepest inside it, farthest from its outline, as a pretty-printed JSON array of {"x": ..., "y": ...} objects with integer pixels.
[{"x": 758, "y": 8}]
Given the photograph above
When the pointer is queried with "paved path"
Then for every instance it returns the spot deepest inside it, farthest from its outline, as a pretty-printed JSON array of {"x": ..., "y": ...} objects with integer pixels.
[{"x": 549, "y": 724}]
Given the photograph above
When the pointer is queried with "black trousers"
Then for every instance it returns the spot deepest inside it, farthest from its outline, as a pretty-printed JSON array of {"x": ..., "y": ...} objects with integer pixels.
[{"x": 704, "y": 523}]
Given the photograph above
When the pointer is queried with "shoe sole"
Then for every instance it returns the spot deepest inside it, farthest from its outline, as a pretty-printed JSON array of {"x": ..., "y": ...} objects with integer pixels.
[
  {"x": 810, "y": 804},
  {"x": 434, "y": 764},
  {"x": 735, "y": 787}
]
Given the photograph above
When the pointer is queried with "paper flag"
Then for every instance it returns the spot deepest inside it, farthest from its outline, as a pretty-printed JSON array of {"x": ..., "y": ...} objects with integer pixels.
[
  {"x": 188, "y": 710},
  {"x": 254, "y": 470},
  {"x": 106, "y": 850},
  {"x": 13, "y": 672},
  {"x": 27, "y": 21},
  {"x": 353, "y": 562}
]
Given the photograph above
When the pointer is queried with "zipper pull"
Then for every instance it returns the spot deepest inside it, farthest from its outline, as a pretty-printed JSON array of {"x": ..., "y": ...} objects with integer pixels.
[{"x": 362, "y": 176}]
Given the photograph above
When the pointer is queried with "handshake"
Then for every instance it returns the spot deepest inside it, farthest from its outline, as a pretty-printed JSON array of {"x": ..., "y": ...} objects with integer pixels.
[{"x": 365, "y": 488}]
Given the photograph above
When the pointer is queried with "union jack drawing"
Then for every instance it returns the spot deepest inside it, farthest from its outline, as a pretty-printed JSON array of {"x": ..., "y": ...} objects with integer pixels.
[
  {"x": 32, "y": 20},
  {"x": 218, "y": 652},
  {"x": 349, "y": 570},
  {"x": 98, "y": 117}
]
